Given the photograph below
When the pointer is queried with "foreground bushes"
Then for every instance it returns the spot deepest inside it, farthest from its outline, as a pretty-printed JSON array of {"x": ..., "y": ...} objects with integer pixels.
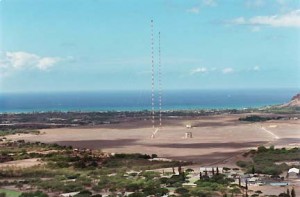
[{"x": 263, "y": 160}]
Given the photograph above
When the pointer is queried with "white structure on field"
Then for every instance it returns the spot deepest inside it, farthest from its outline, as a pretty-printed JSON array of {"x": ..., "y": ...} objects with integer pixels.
[
  {"x": 188, "y": 135},
  {"x": 293, "y": 173}
]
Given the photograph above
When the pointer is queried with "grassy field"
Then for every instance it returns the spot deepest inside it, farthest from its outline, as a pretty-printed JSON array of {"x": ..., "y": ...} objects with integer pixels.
[{"x": 10, "y": 193}]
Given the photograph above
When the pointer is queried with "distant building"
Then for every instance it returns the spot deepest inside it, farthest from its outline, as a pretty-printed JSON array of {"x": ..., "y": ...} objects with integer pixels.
[
  {"x": 293, "y": 173},
  {"x": 188, "y": 135},
  {"x": 189, "y": 185},
  {"x": 253, "y": 180},
  {"x": 210, "y": 170},
  {"x": 71, "y": 194},
  {"x": 188, "y": 126}
]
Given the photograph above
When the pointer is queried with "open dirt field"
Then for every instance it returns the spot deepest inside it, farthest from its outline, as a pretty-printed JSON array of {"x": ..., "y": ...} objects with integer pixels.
[
  {"x": 216, "y": 139},
  {"x": 25, "y": 163}
]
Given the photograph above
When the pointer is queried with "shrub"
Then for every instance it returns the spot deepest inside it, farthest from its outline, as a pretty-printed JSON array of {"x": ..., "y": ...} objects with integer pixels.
[
  {"x": 181, "y": 190},
  {"x": 34, "y": 194},
  {"x": 137, "y": 194}
]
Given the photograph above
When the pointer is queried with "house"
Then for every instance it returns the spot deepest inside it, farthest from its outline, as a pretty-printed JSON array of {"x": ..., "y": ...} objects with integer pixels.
[
  {"x": 188, "y": 126},
  {"x": 189, "y": 185},
  {"x": 293, "y": 173},
  {"x": 71, "y": 194},
  {"x": 209, "y": 171},
  {"x": 253, "y": 180}
]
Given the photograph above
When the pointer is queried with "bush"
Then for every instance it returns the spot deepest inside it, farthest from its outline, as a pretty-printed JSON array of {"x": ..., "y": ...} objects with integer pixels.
[
  {"x": 84, "y": 193},
  {"x": 242, "y": 164},
  {"x": 262, "y": 149},
  {"x": 137, "y": 194},
  {"x": 34, "y": 194},
  {"x": 181, "y": 190}
]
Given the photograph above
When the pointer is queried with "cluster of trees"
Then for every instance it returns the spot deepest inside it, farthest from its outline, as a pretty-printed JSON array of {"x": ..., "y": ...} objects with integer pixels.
[
  {"x": 256, "y": 118},
  {"x": 263, "y": 160}
]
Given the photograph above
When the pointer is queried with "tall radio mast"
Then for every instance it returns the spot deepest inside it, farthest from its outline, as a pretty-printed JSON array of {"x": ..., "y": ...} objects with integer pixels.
[{"x": 152, "y": 76}]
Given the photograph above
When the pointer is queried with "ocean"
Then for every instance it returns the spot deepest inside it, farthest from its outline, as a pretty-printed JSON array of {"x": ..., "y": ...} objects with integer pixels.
[{"x": 141, "y": 100}]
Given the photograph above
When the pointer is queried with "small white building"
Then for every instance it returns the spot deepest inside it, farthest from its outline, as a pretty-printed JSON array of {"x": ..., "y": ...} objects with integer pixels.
[
  {"x": 253, "y": 180},
  {"x": 293, "y": 173},
  {"x": 71, "y": 194},
  {"x": 209, "y": 170},
  {"x": 188, "y": 126},
  {"x": 189, "y": 185}
]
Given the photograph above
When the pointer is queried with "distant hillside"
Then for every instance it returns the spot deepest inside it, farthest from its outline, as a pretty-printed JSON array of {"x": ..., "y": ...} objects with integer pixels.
[
  {"x": 291, "y": 107},
  {"x": 295, "y": 102}
]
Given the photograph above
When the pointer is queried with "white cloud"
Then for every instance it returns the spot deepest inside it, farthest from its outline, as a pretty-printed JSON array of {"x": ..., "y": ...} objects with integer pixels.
[
  {"x": 199, "y": 70},
  {"x": 281, "y": 2},
  {"x": 210, "y": 3},
  {"x": 227, "y": 70},
  {"x": 22, "y": 60},
  {"x": 239, "y": 21},
  {"x": 255, "y": 3},
  {"x": 255, "y": 29},
  {"x": 193, "y": 10},
  {"x": 256, "y": 68},
  {"x": 291, "y": 19}
]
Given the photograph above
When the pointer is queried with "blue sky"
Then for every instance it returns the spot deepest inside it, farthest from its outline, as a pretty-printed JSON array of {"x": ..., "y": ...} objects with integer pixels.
[{"x": 91, "y": 45}]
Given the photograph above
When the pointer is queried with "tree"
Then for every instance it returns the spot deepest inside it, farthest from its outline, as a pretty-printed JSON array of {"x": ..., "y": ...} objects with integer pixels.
[
  {"x": 83, "y": 193},
  {"x": 261, "y": 149},
  {"x": 293, "y": 193},
  {"x": 218, "y": 171},
  {"x": 253, "y": 169},
  {"x": 137, "y": 194},
  {"x": 205, "y": 173},
  {"x": 181, "y": 190},
  {"x": 213, "y": 171},
  {"x": 179, "y": 170},
  {"x": 200, "y": 175},
  {"x": 2, "y": 195},
  {"x": 239, "y": 181},
  {"x": 288, "y": 191},
  {"x": 154, "y": 156}
]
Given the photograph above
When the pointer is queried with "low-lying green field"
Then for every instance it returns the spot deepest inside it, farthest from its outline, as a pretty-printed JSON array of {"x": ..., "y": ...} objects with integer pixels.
[{"x": 10, "y": 193}]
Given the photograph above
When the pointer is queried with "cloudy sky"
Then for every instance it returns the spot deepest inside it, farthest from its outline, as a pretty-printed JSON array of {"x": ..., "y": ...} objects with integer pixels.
[{"x": 75, "y": 45}]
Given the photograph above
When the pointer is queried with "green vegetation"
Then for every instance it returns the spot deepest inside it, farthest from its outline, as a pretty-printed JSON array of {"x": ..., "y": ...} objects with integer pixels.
[
  {"x": 67, "y": 170},
  {"x": 5, "y": 132},
  {"x": 44, "y": 120},
  {"x": 282, "y": 110},
  {"x": 34, "y": 194},
  {"x": 255, "y": 118},
  {"x": 10, "y": 193},
  {"x": 263, "y": 160},
  {"x": 91, "y": 172}
]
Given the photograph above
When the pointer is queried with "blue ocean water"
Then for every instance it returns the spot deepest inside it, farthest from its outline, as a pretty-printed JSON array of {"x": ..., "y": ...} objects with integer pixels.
[{"x": 141, "y": 100}]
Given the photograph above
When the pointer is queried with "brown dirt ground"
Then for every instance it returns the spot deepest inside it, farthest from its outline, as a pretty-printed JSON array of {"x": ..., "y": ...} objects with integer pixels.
[
  {"x": 24, "y": 163},
  {"x": 216, "y": 139}
]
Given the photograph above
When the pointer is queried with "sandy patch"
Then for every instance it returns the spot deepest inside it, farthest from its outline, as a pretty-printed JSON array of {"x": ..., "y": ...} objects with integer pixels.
[{"x": 24, "y": 163}]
